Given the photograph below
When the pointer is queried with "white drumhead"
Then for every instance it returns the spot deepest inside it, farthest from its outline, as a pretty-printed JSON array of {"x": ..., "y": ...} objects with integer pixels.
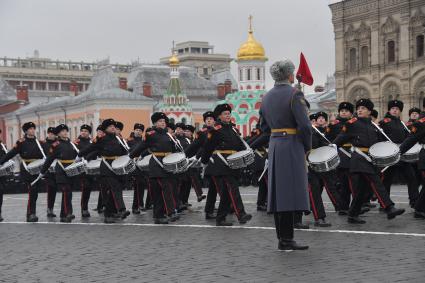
[
  {"x": 120, "y": 161},
  {"x": 174, "y": 158},
  {"x": 239, "y": 154},
  {"x": 94, "y": 163},
  {"x": 145, "y": 160},
  {"x": 322, "y": 154},
  {"x": 414, "y": 149},
  {"x": 36, "y": 163},
  {"x": 384, "y": 149}
]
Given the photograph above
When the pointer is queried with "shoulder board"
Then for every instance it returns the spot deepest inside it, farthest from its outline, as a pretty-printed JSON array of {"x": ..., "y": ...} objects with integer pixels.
[
  {"x": 409, "y": 123},
  {"x": 55, "y": 144},
  {"x": 151, "y": 133},
  {"x": 386, "y": 120},
  {"x": 77, "y": 141},
  {"x": 204, "y": 130},
  {"x": 422, "y": 120},
  {"x": 353, "y": 120},
  {"x": 217, "y": 127},
  {"x": 335, "y": 122},
  {"x": 327, "y": 130}
]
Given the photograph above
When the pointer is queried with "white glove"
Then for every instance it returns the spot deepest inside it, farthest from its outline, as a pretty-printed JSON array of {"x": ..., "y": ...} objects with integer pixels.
[
  {"x": 203, "y": 166},
  {"x": 40, "y": 176},
  {"x": 78, "y": 159},
  {"x": 333, "y": 145}
]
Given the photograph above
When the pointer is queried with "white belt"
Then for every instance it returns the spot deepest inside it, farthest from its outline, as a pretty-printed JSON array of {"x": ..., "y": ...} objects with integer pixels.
[{"x": 365, "y": 156}]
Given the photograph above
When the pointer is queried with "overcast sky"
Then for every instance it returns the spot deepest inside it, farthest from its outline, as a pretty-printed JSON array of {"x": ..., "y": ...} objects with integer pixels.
[{"x": 126, "y": 30}]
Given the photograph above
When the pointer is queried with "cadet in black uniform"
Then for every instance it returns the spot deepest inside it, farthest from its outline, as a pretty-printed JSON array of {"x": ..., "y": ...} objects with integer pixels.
[
  {"x": 363, "y": 134},
  {"x": 3, "y": 151},
  {"x": 182, "y": 194},
  {"x": 222, "y": 141},
  {"x": 87, "y": 182},
  {"x": 414, "y": 114},
  {"x": 345, "y": 113},
  {"x": 99, "y": 184},
  {"x": 139, "y": 178},
  {"x": 65, "y": 153},
  {"x": 110, "y": 148},
  {"x": 196, "y": 148},
  {"x": 417, "y": 135},
  {"x": 29, "y": 149},
  {"x": 49, "y": 176},
  {"x": 160, "y": 144},
  {"x": 397, "y": 131}
]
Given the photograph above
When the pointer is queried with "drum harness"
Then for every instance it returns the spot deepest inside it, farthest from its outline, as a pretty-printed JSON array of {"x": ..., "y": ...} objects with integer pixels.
[
  {"x": 60, "y": 161},
  {"x": 42, "y": 153},
  {"x": 124, "y": 145}
]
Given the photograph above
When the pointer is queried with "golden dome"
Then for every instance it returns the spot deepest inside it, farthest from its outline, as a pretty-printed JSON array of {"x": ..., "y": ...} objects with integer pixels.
[
  {"x": 251, "y": 49},
  {"x": 174, "y": 61}
]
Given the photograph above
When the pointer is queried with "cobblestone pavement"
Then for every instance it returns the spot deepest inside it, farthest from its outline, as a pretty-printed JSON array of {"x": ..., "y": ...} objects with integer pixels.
[{"x": 194, "y": 250}]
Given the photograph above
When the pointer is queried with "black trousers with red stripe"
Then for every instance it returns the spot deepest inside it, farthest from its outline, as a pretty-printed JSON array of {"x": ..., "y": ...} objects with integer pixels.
[
  {"x": 51, "y": 189},
  {"x": 140, "y": 184},
  {"x": 66, "y": 203},
  {"x": 262, "y": 190},
  {"x": 213, "y": 189},
  {"x": 195, "y": 180},
  {"x": 87, "y": 183},
  {"x": 330, "y": 183},
  {"x": 102, "y": 193},
  {"x": 114, "y": 201},
  {"x": 407, "y": 171},
  {"x": 162, "y": 197},
  {"x": 345, "y": 187},
  {"x": 230, "y": 194},
  {"x": 362, "y": 191},
  {"x": 420, "y": 202},
  {"x": 2, "y": 188},
  {"x": 33, "y": 196},
  {"x": 315, "y": 190}
]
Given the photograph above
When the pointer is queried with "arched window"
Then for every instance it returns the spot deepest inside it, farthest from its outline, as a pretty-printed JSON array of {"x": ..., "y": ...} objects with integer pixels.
[
  {"x": 391, "y": 51},
  {"x": 184, "y": 120},
  {"x": 248, "y": 74},
  {"x": 353, "y": 66},
  {"x": 365, "y": 57},
  {"x": 420, "y": 46}
]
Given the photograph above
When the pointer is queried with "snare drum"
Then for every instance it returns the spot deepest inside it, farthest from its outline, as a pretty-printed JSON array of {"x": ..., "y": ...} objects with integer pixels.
[
  {"x": 75, "y": 169},
  {"x": 143, "y": 164},
  {"x": 412, "y": 155},
  {"x": 93, "y": 167},
  {"x": 175, "y": 163},
  {"x": 123, "y": 165},
  {"x": 323, "y": 159},
  {"x": 34, "y": 168},
  {"x": 7, "y": 168},
  {"x": 384, "y": 154},
  {"x": 241, "y": 159}
]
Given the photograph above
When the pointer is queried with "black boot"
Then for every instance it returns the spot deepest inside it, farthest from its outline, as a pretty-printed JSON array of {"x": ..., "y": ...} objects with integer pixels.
[
  {"x": 223, "y": 223},
  {"x": 85, "y": 214},
  {"x": 418, "y": 214},
  {"x": 262, "y": 207},
  {"x": 210, "y": 216},
  {"x": 50, "y": 213},
  {"x": 1, "y": 218},
  {"x": 392, "y": 212},
  {"x": 355, "y": 220},
  {"x": 322, "y": 223},
  {"x": 109, "y": 220},
  {"x": 32, "y": 218},
  {"x": 301, "y": 225},
  {"x": 245, "y": 218},
  {"x": 290, "y": 245},
  {"x": 202, "y": 197},
  {"x": 161, "y": 220}
]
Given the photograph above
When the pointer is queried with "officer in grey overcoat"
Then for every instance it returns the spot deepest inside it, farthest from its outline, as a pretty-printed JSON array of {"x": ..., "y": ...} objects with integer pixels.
[{"x": 284, "y": 116}]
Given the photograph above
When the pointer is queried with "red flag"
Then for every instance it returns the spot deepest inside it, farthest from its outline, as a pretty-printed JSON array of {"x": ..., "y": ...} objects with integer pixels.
[{"x": 303, "y": 73}]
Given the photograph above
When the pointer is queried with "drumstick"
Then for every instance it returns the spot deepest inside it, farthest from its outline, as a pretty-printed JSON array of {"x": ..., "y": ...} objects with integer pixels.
[
  {"x": 323, "y": 136},
  {"x": 36, "y": 180}
]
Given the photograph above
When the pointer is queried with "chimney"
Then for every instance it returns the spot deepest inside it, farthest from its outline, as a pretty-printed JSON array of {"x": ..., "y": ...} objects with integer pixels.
[
  {"x": 147, "y": 89},
  {"x": 221, "y": 93},
  {"x": 228, "y": 86},
  {"x": 73, "y": 87},
  {"x": 22, "y": 93},
  {"x": 123, "y": 83}
]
